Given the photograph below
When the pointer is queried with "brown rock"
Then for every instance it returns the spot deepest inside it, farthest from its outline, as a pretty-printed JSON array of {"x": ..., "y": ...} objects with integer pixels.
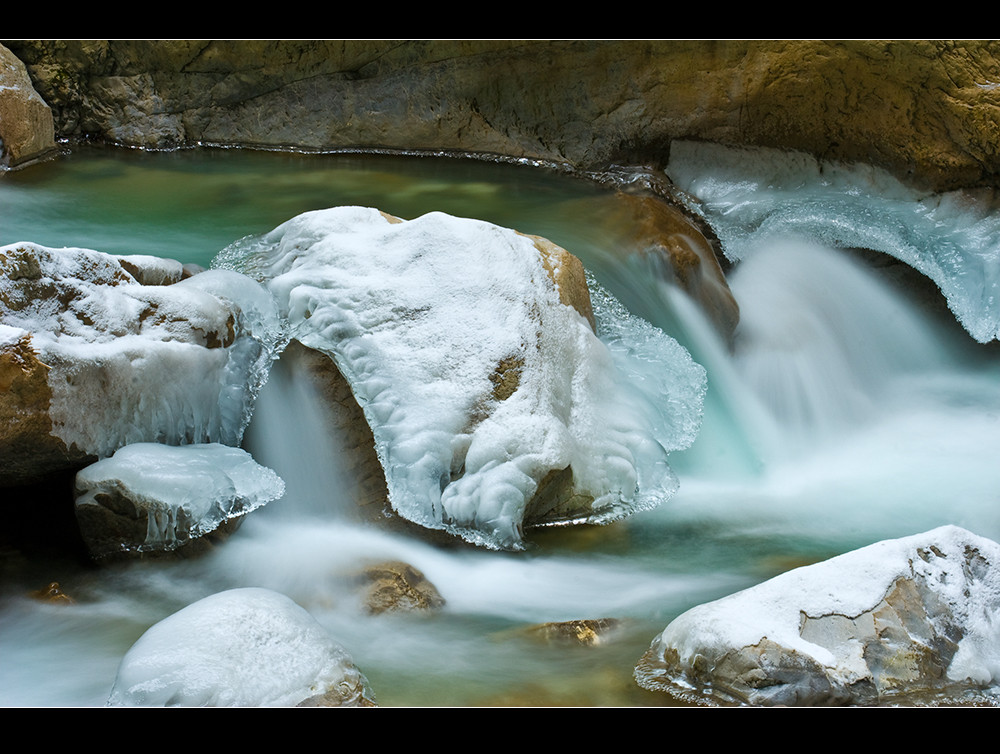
[
  {"x": 568, "y": 275},
  {"x": 26, "y": 129},
  {"x": 53, "y": 593},
  {"x": 674, "y": 249},
  {"x": 29, "y": 450},
  {"x": 395, "y": 587},
  {"x": 586, "y": 633}
]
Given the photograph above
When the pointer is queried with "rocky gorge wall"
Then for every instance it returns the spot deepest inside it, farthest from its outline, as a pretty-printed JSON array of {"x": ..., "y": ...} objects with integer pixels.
[{"x": 927, "y": 111}]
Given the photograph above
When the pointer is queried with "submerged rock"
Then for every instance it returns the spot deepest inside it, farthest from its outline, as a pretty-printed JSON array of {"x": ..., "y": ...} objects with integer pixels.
[
  {"x": 91, "y": 360},
  {"x": 470, "y": 349},
  {"x": 240, "y": 648},
  {"x": 52, "y": 593},
  {"x": 911, "y": 620},
  {"x": 395, "y": 586},
  {"x": 154, "y": 498},
  {"x": 589, "y": 632}
]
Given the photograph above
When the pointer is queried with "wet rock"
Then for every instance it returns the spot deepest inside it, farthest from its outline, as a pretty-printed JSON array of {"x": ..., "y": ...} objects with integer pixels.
[
  {"x": 903, "y": 621},
  {"x": 662, "y": 239},
  {"x": 240, "y": 648},
  {"x": 586, "y": 633},
  {"x": 398, "y": 587},
  {"x": 26, "y": 128},
  {"x": 53, "y": 593}
]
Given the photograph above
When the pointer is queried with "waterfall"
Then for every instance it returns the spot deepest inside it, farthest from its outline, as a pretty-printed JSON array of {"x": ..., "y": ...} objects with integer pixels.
[{"x": 841, "y": 416}]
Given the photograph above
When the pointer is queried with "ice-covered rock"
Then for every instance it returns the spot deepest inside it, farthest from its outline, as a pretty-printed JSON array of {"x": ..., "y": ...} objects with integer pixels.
[
  {"x": 90, "y": 360},
  {"x": 150, "y": 497},
  {"x": 912, "y": 620},
  {"x": 241, "y": 648},
  {"x": 492, "y": 402}
]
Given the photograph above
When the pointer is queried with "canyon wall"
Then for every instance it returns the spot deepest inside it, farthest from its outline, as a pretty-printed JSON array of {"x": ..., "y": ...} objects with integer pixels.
[{"x": 928, "y": 111}]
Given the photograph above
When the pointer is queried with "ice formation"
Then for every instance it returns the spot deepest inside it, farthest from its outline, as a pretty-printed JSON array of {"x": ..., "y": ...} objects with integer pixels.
[
  {"x": 241, "y": 648},
  {"x": 133, "y": 363},
  {"x": 182, "y": 492},
  {"x": 427, "y": 319},
  {"x": 912, "y": 617},
  {"x": 754, "y": 195}
]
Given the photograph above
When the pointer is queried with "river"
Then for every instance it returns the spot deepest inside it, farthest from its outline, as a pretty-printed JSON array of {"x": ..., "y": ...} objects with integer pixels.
[{"x": 848, "y": 410}]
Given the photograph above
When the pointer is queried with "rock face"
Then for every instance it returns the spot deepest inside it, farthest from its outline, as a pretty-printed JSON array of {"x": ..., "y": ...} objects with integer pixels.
[
  {"x": 156, "y": 498},
  {"x": 241, "y": 648},
  {"x": 923, "y": 110},
  {"x": 26, "y": 129},
  {"x": 484, "y": 390},
  {"x": 90, "y": 360},
  {"x": 905, "y": 621}
]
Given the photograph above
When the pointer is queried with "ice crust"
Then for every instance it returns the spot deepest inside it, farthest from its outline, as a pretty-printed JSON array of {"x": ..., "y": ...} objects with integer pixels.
[
  {"x": 187, "y": 491},
  {"x": 849, "y": 585},
  {"x": 130, "y": 363},
  {"x": 418, "y": 315},
  {"x": 240, "y": 648},
  {"x": 751, "y": 196}
]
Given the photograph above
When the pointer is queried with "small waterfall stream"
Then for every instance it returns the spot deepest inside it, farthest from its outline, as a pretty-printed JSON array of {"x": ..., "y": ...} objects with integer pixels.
[{"x": 843, "y": 416}]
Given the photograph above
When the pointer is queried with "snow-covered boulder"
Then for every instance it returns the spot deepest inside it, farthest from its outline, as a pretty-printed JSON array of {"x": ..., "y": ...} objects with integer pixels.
[
  {"x": 91, "y": 360},
  {"x": 492, "y": 402},
  {"x": 912, "y": 620},
  {"x": 151, "y": 498},
  {"x": 241, "y": 648}
]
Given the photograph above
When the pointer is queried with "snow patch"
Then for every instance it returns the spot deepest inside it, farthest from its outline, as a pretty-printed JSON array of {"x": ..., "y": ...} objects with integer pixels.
[{"x": 241, "y": 648}]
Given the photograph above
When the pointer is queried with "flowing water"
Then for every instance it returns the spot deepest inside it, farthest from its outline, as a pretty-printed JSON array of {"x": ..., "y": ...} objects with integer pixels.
[{"x": 844, "y": 413}]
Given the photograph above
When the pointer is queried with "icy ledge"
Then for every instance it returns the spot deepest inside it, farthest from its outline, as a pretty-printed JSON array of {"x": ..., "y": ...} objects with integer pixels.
[
  {"x": 150, "y": 497},
  {"x": 241, "y": 648},
  {"x": 753, "y": 196},
  {"x": 912, "y": 620},
  {"x": 492, "y": 401},
  {"x": 124, "y": 362}
]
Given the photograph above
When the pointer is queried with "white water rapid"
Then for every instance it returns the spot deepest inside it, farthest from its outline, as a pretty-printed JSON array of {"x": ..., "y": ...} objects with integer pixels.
[{"x": 846, "y": 412}]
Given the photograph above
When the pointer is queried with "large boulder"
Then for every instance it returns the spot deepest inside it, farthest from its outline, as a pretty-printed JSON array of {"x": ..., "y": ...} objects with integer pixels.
[
  {"x": 150, "y": 498},
  {"x": 912, "y": 620},
  {"x": 471, "y": 350},
  {"x": 660, "y": 238},
  {"x": 91, "y": 360},
  {"x": 925, "y": 110},
  {"x": 241, "y": 648},
  {"x": 26, "y": 129}
]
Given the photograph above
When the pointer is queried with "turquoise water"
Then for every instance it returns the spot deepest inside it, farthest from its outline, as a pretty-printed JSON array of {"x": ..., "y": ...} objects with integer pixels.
[{"x": 763, "y": 489}]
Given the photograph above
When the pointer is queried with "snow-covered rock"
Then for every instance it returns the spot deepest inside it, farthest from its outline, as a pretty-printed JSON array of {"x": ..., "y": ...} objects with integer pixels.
[
  {"x": 912, "y": 620},
  {"x": 241, "y": 648},
  {"x": 492, "y": 402},
  {"x": 150, "y": 497},
  {"x": 96, "y": 361}
]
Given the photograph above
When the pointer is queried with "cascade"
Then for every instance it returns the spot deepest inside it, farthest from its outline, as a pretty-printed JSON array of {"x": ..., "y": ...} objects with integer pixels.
[{"x": 840, "y": 417}]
